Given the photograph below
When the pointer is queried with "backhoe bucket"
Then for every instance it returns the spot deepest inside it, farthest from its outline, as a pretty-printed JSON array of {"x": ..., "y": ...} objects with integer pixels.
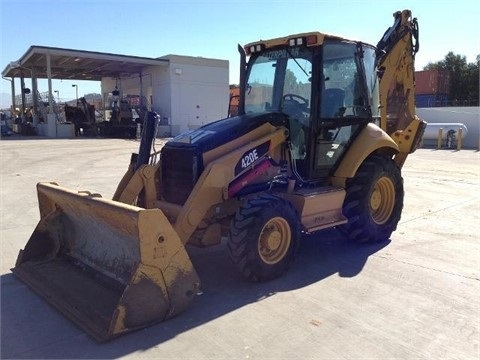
[{"x": 108, "y": 266}]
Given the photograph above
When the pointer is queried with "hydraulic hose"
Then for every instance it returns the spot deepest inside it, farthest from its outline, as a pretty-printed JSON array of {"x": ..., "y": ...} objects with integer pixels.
[{"x": 148, "y": 133}]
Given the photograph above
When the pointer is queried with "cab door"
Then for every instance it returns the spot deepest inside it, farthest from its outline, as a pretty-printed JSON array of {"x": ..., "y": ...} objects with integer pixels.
[{"x": 344, "y": 105}]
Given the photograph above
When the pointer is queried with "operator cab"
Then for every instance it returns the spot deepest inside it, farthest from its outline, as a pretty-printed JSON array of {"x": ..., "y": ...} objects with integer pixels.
[{"x": 326, "y": 85}]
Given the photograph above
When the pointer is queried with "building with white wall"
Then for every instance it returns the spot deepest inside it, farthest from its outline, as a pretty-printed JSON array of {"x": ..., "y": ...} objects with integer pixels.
[{"x": 187, "y": 93}]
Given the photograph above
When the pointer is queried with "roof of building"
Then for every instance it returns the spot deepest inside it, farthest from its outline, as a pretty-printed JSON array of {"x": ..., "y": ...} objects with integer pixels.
[{"x": 70, "y": 64}]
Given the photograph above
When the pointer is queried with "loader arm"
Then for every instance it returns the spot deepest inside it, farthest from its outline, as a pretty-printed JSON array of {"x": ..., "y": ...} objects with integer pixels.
[
  {"x": 395, "y": 63},
  {"x": 137, "y": 186}
]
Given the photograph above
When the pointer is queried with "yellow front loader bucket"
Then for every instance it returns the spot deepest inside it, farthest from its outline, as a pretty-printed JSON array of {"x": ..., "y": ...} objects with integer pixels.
[{"x": 108, "y": 266}]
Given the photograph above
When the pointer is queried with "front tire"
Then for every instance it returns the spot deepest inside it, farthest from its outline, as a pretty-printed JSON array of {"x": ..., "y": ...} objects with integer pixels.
[
  {"x": 374, "y": 201},
  {"x": 264, "y": 237}
]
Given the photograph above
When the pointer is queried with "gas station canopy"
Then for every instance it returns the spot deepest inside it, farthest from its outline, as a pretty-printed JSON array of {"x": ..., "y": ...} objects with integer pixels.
[{"x": 68, "y": 64}]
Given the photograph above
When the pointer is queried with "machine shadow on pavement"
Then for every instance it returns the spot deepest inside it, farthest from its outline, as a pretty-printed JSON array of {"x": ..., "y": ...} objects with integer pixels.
[{"x": 30, "y": 328}]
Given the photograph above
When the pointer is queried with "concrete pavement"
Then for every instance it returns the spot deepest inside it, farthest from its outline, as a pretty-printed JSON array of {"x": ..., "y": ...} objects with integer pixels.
[{"x": 414, "y": 297}]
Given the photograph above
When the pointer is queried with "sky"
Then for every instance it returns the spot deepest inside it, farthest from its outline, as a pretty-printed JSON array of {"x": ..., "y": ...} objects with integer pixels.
[{"x": 213, "y": 28}]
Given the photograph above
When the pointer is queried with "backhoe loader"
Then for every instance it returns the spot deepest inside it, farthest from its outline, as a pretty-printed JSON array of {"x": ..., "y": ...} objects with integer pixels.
[{"x": 323, "y": 129}]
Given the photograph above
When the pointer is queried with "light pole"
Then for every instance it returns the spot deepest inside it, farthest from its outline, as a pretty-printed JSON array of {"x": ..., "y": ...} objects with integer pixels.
[
  {"x": 58, "y": 95},
  {"x": 76, "y": 91}
]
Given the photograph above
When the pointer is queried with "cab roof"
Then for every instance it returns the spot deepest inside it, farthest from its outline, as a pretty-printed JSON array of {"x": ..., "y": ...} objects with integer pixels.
[{"x": 312, "y": 38}]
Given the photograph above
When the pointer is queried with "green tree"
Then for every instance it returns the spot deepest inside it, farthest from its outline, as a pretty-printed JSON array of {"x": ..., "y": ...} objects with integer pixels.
[
  {"x": 291, "y": 83},
  {"x": 464, "y": 77}
]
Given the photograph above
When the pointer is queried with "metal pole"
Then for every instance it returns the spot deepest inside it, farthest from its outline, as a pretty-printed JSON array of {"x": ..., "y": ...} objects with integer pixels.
[
  {"x": 49, "y": 76},
  {"x": 76, "y": 91},
  {"x": 141, "y": 92},
  {"x": 14, "y": 105},
  {"x": 22, "y": 88},
  {"x": 50, "y": 98}
]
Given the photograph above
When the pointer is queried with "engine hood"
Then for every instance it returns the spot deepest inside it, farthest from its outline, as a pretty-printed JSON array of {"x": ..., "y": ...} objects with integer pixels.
[{"x": 213, "y": 135}]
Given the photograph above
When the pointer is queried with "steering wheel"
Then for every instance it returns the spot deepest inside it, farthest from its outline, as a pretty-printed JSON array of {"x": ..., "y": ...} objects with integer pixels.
[
  {"x": 294, "y": 104},
  {"x": 292, "y": 97}
]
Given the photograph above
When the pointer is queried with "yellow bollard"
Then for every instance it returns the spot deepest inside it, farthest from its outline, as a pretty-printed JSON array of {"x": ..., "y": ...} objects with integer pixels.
[
  {"x": 459, "y": 139},
  {"x": 439, "y": 138}
]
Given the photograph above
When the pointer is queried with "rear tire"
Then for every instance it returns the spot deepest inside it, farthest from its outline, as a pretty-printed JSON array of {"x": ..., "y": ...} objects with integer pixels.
[
  {"x": 374, "y": 201},
  {"x": 264, "y": 237}
]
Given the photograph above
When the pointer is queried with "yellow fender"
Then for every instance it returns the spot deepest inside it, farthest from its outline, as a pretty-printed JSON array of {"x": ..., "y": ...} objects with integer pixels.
[{"x": 371, "y": 139}]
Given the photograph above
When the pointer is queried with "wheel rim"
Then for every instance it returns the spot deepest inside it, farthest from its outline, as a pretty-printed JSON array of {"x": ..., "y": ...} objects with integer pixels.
[
  {"x": 274, "y": 240},
  {"x": 382, "y": 200}
]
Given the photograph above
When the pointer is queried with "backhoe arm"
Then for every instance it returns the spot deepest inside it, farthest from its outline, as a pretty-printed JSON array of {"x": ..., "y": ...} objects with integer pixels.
[{"x": 395, "y": 63}]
